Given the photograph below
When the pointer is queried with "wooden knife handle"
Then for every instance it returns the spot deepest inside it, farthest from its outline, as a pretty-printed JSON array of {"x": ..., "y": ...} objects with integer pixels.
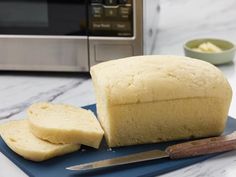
[{"x": 203, "y": 146}]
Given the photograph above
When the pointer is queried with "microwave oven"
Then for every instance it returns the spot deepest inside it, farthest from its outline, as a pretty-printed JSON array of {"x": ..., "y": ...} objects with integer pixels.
[{"x": 72, "y": 35}]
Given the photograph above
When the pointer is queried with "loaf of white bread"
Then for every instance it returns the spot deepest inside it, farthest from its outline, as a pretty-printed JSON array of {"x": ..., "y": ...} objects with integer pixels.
[
  {"x": 64, "y": 124},
  {"x": 18, "y": 137},
  {"x": 149, "y": 99}
]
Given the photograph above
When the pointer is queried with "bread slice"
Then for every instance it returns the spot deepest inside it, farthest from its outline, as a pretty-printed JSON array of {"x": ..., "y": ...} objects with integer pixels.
[
  {"x": 60, "y": 123},
  {"x": 18, "y": 137}
]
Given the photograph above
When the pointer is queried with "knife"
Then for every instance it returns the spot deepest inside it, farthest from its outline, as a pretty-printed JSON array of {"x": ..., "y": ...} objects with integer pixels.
[{"x": 182, "y": 150}]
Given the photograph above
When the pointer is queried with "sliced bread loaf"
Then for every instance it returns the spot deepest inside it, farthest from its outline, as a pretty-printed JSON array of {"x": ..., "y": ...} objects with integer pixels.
[
  {"x": 60, "y": 123},
  {"x": 18, "y": 137}
]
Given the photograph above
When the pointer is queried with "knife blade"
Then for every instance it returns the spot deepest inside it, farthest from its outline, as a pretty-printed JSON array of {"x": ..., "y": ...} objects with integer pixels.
[
  {"x": 137, "y": 157},
  {"x": 182, "y": 150}
]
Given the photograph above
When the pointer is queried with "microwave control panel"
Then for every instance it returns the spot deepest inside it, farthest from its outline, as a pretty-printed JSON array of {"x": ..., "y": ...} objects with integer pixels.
[{"x": 112, "y": 18}]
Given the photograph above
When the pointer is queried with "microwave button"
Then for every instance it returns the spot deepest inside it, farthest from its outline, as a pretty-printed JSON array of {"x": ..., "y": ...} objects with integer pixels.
[
  {"x": 124, "y": 12},
  {"x": 110, "y": 2},
  {"x": 122, "y": 26},
  {"x": 111, "y": 12},
  {"x": 101, "y": 26},
  {"x": 96, "y": 1},
  {"x": 97, "y": 11}
]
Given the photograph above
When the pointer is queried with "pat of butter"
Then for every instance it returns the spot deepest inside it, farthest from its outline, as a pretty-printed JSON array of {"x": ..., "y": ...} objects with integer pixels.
[{"x": 207, "y": 47}]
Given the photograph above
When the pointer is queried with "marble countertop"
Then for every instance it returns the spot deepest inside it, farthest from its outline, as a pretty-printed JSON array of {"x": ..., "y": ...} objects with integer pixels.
[{"x": 179, "y": 20}]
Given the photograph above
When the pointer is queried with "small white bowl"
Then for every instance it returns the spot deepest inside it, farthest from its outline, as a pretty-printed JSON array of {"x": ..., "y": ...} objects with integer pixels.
[{"x": 226, "y": 56}]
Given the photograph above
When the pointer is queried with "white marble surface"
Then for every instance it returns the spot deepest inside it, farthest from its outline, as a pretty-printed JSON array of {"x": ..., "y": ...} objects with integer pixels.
[{"x": 180, "y": 20}]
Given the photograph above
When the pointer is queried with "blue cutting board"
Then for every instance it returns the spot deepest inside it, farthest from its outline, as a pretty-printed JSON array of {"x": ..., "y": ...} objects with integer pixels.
[{"x": 56, "y": 166}]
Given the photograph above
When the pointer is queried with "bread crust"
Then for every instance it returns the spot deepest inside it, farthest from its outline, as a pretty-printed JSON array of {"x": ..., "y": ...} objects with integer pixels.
[
  {"x": 17, "y": 136},
  {"x": 149, "y": 99},
  {"x": 64, "y": 124}
]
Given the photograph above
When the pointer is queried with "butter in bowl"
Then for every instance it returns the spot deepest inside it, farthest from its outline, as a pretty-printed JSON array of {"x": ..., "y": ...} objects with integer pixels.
[{"x": 215, "y": 51}]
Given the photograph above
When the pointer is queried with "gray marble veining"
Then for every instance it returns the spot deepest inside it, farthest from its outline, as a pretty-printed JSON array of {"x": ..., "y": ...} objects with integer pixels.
[{"x": 18, "y": 92}]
